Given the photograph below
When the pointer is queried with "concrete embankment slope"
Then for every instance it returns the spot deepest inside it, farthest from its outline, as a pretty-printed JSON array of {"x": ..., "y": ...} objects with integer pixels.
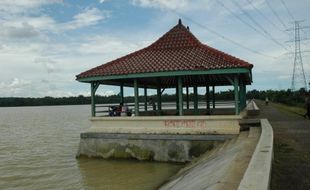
[{"x": 232, "y": 165}]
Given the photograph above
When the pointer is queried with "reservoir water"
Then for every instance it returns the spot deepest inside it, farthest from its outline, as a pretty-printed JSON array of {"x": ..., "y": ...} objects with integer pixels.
[{"x": 38, "y": 147}]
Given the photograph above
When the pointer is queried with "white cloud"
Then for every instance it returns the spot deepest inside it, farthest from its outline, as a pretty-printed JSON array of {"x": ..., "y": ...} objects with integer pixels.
[
  {"x": 42, "y": 22},
  {"x": 49, "y": 64},
  {"x": 58, "y": 93},
  {"x": 176, "y": 5},
  {"x": 107, "y": 44},
  {"x": 26, "y": 26},
  {"x": 162, "y": 4},
  {"x": 15, "y": 87},
  {"x": 88, "y": 17},
  {"x": 106, "y": 93},
  {"x": 21, "y": 49},
  {"x": 18, "y": 83},
  {"x": 23, "y": 31},
  {"x": 18, "y": 25},
  {"x": 23, "y": 6}
]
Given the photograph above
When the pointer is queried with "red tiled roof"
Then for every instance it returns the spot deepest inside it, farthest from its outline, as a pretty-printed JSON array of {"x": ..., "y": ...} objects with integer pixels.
[{"x": 177, "y": 50}]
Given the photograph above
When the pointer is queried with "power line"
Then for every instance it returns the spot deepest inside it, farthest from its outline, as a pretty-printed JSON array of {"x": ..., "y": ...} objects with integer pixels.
[
  {"x": 239, "y": 18},
  {"x": 265, "y": 17},
  {"x": 221, "y": 36},
  {"x": 275, "y": 13},
  {"x": 264, "y": 34},
  {"x": 288, "y": 11},
  {"x": 268, "y": 20},
  {"x": 261, "y": 27}
]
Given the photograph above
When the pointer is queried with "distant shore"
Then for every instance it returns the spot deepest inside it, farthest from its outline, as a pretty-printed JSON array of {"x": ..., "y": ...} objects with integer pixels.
[
  {"x": 82, "y": 100},
  {"x": 287, "y": 97}
]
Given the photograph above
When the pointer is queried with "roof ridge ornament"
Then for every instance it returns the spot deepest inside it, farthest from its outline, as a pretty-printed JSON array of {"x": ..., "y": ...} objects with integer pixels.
[{"x": 180, "y": 22}]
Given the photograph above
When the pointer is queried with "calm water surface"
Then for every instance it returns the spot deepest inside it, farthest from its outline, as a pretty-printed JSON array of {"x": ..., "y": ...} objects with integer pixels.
[{"x": 38, "y": 147}]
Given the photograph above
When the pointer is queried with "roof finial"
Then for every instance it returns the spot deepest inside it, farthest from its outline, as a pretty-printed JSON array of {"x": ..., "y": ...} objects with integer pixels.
[
  {"x": 187, "y": 27},
  {"x": 180, "y": 21}
]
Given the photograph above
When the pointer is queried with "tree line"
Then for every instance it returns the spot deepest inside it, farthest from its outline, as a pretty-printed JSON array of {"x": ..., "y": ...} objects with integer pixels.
[
  {"x": 281, "y": 96},
  {"x": 288, "y": 97},
  {"x": 80, "y": 100}
]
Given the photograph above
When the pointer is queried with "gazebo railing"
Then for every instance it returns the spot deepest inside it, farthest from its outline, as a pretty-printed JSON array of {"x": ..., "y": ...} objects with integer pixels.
[{"x": 103, "y": 109}]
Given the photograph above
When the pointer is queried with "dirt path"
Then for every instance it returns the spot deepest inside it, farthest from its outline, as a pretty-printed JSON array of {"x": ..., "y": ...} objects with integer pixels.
[{"x": 291, "y": 165}]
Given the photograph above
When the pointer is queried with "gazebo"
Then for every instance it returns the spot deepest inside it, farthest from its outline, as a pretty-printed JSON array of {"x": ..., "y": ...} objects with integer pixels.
[{"x": 176, "y": 60}]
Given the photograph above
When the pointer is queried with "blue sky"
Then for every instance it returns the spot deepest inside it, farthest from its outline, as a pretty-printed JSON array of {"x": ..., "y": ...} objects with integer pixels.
[{"x": 45, "y": 43}]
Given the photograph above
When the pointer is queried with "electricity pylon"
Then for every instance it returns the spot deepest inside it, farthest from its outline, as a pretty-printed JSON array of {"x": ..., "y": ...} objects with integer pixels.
[{"x": 299, "y": 77}]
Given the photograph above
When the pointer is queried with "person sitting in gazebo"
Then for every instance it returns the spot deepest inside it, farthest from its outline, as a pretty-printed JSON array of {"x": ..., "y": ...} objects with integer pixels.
[
  {"x": 118, "y": 110},
  {"x": 125, "y": 111}
]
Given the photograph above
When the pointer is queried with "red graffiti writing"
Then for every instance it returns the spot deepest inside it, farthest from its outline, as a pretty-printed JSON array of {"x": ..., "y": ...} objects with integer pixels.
[{"x": 185, "y": 123}]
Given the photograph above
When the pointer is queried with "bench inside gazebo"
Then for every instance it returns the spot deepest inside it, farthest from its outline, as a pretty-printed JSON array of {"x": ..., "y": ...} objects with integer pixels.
[{"x": 177, "y": 60}]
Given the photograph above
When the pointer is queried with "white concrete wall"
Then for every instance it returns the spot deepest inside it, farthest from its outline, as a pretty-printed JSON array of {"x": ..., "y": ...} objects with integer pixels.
[{"x": 252, "y": 108}]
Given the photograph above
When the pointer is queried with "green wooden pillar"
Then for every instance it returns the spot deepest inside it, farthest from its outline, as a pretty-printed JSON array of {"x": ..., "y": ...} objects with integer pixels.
[
  {"x": 244, "y": 88},
  {"x": 187, "y": 98},
  {"x": 92, "y": 92},
  {"x": 241, "y": 95},
  {"x": 180, "y": 96},
  {"x": 236, "y": 93},
  {"x": 195, "y": 100},
  {"x": 159, "y": 100},
  {"x": 145, "y": 99},
  {"x": 208, "y": 97},
  {"x": 213, "y": 96},
  {"x": 136, "y": 92},
  {"x": 177, "y": 97},
  {"x": 93, "y": 88},
  {"x": 121, "y": 94}
]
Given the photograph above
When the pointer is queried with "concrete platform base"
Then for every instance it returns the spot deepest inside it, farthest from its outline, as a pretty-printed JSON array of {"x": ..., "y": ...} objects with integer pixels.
[
  {"x": 166, "y": 138},
  {"x": 167, "y": 148}
]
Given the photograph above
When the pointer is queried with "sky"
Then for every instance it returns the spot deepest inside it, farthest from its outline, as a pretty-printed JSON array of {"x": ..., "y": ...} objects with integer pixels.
[{"x": 44, "y": 44}]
